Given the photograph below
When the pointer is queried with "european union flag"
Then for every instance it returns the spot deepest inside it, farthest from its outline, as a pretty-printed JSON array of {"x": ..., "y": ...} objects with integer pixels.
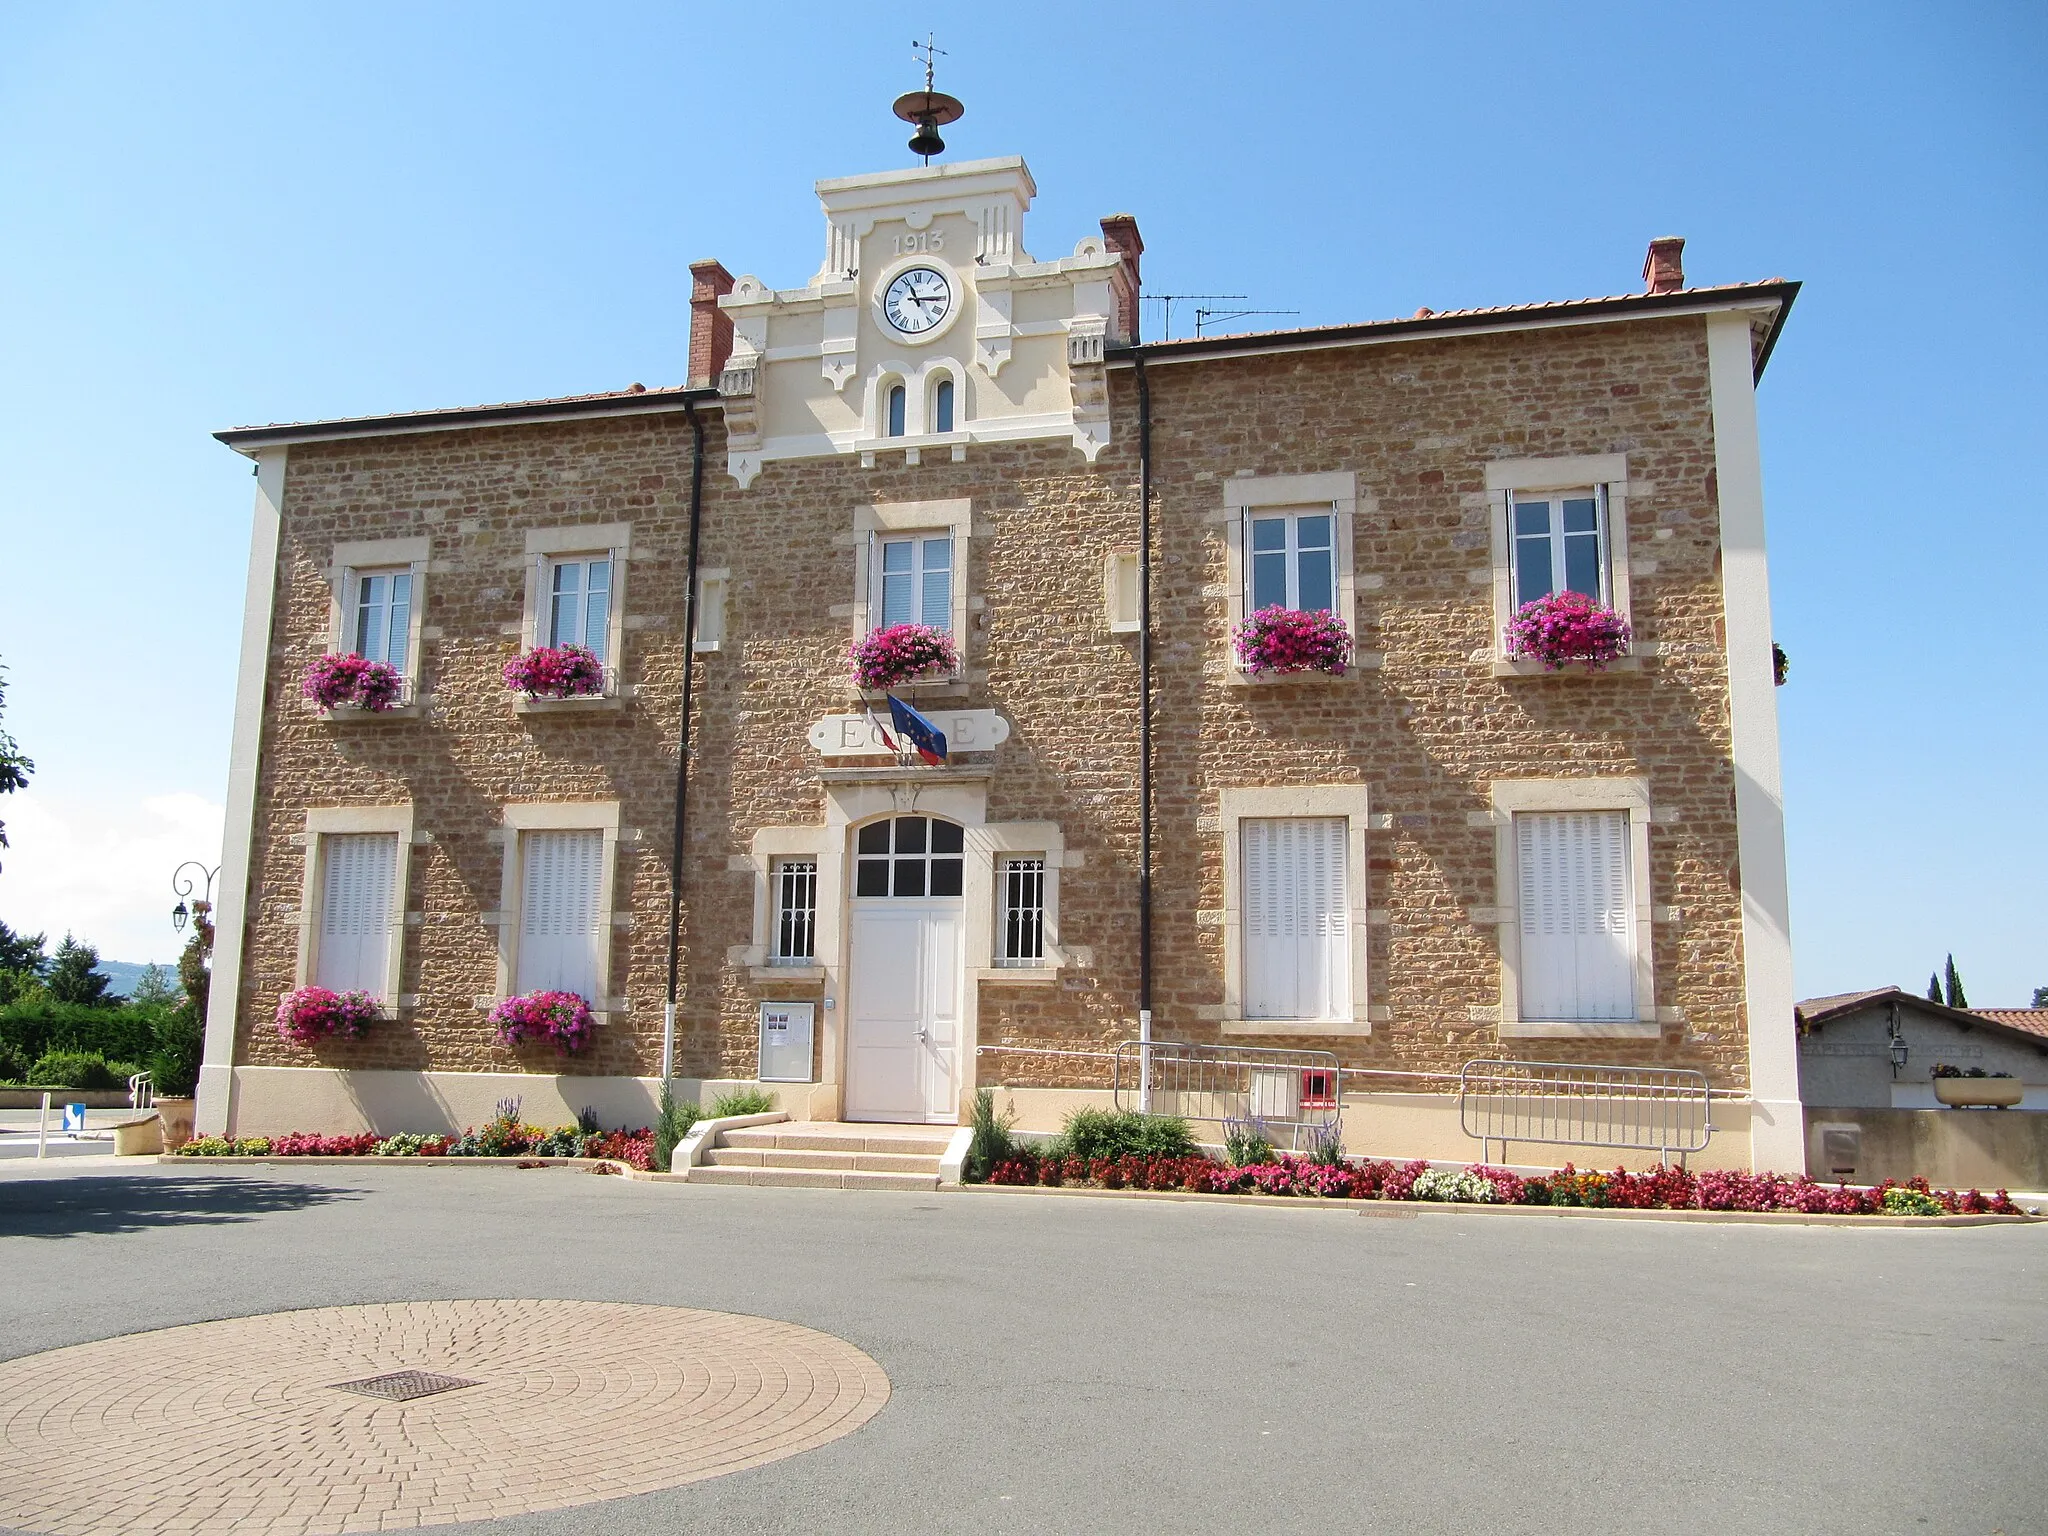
[{"x": 929, "y": 740}]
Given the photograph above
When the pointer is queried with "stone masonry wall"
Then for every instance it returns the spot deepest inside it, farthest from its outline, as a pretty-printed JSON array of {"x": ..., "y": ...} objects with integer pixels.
[{"x": 1416, "y": 422}]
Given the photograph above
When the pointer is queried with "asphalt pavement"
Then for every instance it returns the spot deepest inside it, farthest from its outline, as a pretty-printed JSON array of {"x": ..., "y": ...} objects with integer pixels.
[{"x": 1078, "y": 1365}]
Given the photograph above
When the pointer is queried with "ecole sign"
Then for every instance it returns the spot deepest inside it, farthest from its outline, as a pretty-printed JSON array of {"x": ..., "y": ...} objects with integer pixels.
[{"x": 966, "y": 730}]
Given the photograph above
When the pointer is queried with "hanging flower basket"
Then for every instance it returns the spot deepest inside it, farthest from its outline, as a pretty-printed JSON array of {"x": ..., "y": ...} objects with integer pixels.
[
  {"x": 563, "y": 1017},
  {"x": 315, "y": 1013},
  {"x": 1280, "y": 639},
  {"x": 1567, "y": 629},
  {"x": 336, "y": 681},
  {"x": 900, "y": 653},
  {"x": 556, "y": 672}
]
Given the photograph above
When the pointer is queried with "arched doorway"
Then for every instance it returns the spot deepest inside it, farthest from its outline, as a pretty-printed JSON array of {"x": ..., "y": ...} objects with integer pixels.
[{"x": 906, "y": 960}]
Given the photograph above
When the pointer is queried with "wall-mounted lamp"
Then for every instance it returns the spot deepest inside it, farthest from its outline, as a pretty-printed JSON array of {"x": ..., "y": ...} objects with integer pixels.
[{"x": 1898, "y": 1053}]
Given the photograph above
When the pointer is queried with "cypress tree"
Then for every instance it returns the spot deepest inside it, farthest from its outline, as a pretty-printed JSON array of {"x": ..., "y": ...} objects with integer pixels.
[
  {"x": 1934, "y": 986},
  {"x": 1955, "y": 986}
]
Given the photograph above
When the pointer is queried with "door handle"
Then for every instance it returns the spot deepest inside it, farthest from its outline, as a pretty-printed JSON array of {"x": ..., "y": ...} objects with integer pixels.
[{"x": 924, "y": 1036}]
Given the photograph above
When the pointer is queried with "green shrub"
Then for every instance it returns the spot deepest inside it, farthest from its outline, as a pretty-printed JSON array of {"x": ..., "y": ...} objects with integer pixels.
[
  {"x": 38, "y": 1025},
  {"x": 1093, "y": 1133},
  {"x": 13, "y": 1065},
  {"x": 1246, "y": 1142},
  {"x": 671, "y": 1124},
  {"x": 86, "y": 1071},
  {"x": 991, "y": 1143},
  {"x": 742, "y": 1101},
  {"x": 180, "y": 1039}
]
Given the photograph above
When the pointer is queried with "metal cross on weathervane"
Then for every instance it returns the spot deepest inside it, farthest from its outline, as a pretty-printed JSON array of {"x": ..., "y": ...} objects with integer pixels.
[{"x": 928, "y": 109}]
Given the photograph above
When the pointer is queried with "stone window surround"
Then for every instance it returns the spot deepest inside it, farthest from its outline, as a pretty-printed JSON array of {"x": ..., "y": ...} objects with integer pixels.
[
  {"x": 1631, "y": 795},
  {"x": 1121, "y": 621},
  {"x": 556, "y": 816},
  {"x": 850, "y": 805},
  {"x": 325, "y": 822},
  {"x": 920, "y": 383},
  {"x": 1247, "y": 493},
  {"x": 714, "y": 590},
  {"x": 955, "y": 516},
  {"x": 543, "y": 546},
  {"x": 357, "y": 555},
  {"x": 1235, "y": 806},
  {"x": 1506, "y": 476}
]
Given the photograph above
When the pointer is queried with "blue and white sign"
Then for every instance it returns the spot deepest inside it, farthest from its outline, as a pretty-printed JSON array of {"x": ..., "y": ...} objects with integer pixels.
[{"x": 74, "y": 1117}]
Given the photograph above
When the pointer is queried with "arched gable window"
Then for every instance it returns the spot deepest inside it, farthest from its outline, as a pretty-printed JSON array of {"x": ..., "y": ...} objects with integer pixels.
[
  {"x": 942, "y": 406},
  {"x": 897, "y": 398}
]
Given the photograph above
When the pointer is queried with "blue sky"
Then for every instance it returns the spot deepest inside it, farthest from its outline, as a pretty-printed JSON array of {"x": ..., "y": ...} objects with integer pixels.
[{"x": 219, "y": 214}]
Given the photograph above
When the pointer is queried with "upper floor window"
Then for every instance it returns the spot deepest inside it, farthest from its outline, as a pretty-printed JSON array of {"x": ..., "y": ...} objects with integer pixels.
[
  {"x": 915, "y": 581},
  {"x": 579, "y": 602},
  {"x": 1293, "y": 560},
  {"x": 909, "y": 856},
  {"x": 381, "y": 626},
  {"x": 942, "y": 406},
  {"x": 1560, "y": 544},
  {"x": 898, "y": 398}
]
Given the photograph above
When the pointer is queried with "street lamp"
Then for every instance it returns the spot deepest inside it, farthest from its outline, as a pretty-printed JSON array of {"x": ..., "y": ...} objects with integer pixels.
[{"x": 184, "y": 885}]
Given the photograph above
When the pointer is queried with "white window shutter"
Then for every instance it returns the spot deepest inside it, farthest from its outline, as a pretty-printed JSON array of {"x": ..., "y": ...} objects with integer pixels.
[
  {"x": 358, "y": 878},
  {"x": 1577, "y": 916},
  {"x": 559, "y": 914},
  {"x": 1296, "y": 919}
]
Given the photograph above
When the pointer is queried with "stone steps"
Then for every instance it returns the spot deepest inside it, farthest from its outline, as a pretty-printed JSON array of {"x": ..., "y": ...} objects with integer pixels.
[
  {"x": 813, "y": 1178},
  {"x": 794, "y": 1157},
  {"x": 813, "y": 1156}
]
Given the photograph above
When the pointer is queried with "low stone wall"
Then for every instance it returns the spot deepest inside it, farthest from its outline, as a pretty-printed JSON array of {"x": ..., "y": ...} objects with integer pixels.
[{"x": 1961, "y": 1148}]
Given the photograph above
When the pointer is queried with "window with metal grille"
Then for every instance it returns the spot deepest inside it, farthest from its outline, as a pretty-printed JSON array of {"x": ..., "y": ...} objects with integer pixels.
[
  {"x": 909, "y": 856},
  {"x": 1023, "y": 898},
  {"x": 796, "y": 912}
]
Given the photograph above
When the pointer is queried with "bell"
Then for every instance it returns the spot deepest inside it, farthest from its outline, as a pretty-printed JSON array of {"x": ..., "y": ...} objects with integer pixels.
[{"x": 926, "y": 140}]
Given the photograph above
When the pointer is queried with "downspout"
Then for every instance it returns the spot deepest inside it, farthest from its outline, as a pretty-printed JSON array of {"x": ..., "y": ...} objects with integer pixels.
[
  {"x": 675, "y": 859},
  {"x": 1144, "y": 736}
]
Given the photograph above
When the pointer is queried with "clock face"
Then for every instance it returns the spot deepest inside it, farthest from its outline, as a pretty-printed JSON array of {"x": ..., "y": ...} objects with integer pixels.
[{"x": 917, "y": 300}]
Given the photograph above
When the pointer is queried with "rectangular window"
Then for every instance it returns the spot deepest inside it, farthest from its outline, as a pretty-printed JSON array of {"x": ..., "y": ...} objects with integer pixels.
[
  {"x": 1560, "y": 543},
  {"x": 382, "y": 623},
  {"x": 796, "y": 912},
  {"x": 1296, "y": 904},
  {"x": 1292, "y": 560},
  {"x": 1577, "y": 915},
  {"x": 359, "y": 872},
  {"x": 1022, "y": 886},
  {"x": 560, "y": 905},
  {"x": 1120, "y": 590},
  {"x": 579, "y": 599},
  {"x": 915, "y": 577}
]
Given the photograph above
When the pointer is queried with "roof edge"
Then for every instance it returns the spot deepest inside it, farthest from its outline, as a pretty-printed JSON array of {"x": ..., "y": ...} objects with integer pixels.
[
  {"x": 646, "y": 402},
  {"x": 1856, "y": 1002}
]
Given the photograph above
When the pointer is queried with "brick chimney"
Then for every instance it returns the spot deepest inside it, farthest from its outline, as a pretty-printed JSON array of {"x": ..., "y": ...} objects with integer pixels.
[
  {"x": 1120, "y": 234},
  {"x": 710, "y": 326},
  {"x": 1664, "y": 267}
]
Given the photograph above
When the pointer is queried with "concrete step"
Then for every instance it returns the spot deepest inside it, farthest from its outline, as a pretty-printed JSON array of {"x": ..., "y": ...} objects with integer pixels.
[
  {"x": 812, "y": 1178},
  {"x": 917, "y": 1143},
  {"x": 797, "y": 1157}
]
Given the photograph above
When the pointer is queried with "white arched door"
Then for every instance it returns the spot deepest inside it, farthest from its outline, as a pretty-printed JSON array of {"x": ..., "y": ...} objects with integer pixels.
[{"x": 903, "y": 1009}]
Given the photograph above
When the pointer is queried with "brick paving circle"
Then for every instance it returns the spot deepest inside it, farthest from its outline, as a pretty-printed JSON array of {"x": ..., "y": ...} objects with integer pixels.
[{"x": 245, "y": 1425}]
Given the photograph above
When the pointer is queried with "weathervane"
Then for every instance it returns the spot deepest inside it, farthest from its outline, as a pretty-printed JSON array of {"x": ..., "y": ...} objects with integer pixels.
[{"x": 928, "y": 109}]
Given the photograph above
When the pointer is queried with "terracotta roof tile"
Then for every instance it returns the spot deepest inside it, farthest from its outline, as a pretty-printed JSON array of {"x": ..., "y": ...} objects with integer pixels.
[{"x": 2033, "y": 1020}]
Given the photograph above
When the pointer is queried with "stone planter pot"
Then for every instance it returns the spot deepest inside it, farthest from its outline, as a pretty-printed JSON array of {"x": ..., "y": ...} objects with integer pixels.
[
  {"x": 176, "y": 1115},
  {"x": 1979, "y": 1092}
]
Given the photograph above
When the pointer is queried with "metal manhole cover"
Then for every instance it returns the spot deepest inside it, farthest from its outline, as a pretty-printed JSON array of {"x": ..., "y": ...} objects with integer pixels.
[{"x": 403, "y": 1386}]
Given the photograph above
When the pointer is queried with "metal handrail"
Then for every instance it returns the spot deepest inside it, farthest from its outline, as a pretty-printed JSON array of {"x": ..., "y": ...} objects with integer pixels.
[
  {"x": 1575, "y": 1104},
  {"x": 1299, "y": 1091},
  {"x": 141, "y": 1091}
]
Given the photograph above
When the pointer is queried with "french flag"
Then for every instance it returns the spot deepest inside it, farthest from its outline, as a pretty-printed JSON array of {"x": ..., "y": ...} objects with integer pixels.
[{"x": 927, "y": 738}]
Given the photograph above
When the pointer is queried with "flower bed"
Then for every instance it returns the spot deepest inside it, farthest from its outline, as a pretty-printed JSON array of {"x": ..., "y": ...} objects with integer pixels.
[
  {"x": 315, "y": 1013},
  {"x": 563, "y": 1017},
  {"x": 901, "y": 653},
  {"x": 1660, "y": 1189},
  {"x": 556, "y": 672},
  {"x": 1280, "y": 639},
  {"x": 497, "y": 1139},
  {"x": 1566, "y": 629},
  {"x": 335, "y": 681}
]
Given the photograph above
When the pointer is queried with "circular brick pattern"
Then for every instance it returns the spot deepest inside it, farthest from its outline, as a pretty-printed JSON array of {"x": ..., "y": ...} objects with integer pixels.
[{"x": 242, "y": 1425}]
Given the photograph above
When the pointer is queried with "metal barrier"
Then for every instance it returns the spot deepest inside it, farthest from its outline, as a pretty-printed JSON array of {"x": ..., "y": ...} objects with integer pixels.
[
  {"x": 142, "y": 1091},
  {"x": 1567, "y": 1104},
  {"x": 1301, "y": 1092}
]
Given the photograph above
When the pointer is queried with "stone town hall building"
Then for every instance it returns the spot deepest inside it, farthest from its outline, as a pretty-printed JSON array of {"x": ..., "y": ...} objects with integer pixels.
[{"x": 1442, "y": 854}]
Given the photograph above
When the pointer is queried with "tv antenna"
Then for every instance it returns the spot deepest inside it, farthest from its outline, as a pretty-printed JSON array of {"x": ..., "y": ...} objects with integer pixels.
[
  {"x": 1206, "y": 316},
  {"x": 1166, "y": 301},
  {"x": 928, "y": 109}
]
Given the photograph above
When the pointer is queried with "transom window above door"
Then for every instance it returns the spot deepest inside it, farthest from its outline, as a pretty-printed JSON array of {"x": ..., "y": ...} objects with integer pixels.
[
  {"x": 914, "y": 581},
  {"x": 1292, "y": 560},
  {"x": 579, "y": 602},
  {"x": 1560, "y": 544},
  {"x": 909, "y": 856}
]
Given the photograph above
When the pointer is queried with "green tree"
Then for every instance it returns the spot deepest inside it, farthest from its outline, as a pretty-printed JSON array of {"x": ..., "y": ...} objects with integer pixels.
[
  {"x": 1934, "y": 986},
  {"x": 75, "y": 977},
  {"x": 1955, "y": 986},
  {"x": 14, "y": 768},
  {"x": 2041, "y": 997},
  {"x": 154, "y": 986}
]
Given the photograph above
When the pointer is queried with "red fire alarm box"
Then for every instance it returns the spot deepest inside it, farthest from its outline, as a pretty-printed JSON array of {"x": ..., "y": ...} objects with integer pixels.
[{"x": 1318, "y": 1088}]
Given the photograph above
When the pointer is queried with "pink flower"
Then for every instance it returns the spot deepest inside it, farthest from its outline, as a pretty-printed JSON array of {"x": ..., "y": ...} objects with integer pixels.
[
  {"x": 1277, "y": 639},
  {"x": 563, "y": 1017},
  {"x": 556, "y": 672},
  {"x": 349, "y": 679},
  {"x": 315, "y": 1013},
  {"x": 901, "y": 652},
  {"x": 1567, "y": 627}
]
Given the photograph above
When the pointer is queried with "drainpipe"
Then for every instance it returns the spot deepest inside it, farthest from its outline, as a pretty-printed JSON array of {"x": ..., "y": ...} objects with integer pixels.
[
  {"x": 675, "y": 859},
  {"x": 1144, "y": 737}
]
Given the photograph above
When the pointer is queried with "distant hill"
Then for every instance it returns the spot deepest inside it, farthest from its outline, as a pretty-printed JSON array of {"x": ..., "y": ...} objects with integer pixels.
[{"x": 122, "y": 975}]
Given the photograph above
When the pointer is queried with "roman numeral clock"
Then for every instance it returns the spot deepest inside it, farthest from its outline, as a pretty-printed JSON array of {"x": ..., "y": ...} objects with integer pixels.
[{"x": 917, "y": 301}]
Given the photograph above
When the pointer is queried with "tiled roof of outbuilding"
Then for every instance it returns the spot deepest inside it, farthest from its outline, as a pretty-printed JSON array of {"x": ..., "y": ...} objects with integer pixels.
[
  {"x": 1816, "y": 1011},
  {"x": 2033, "y": 1020}
]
